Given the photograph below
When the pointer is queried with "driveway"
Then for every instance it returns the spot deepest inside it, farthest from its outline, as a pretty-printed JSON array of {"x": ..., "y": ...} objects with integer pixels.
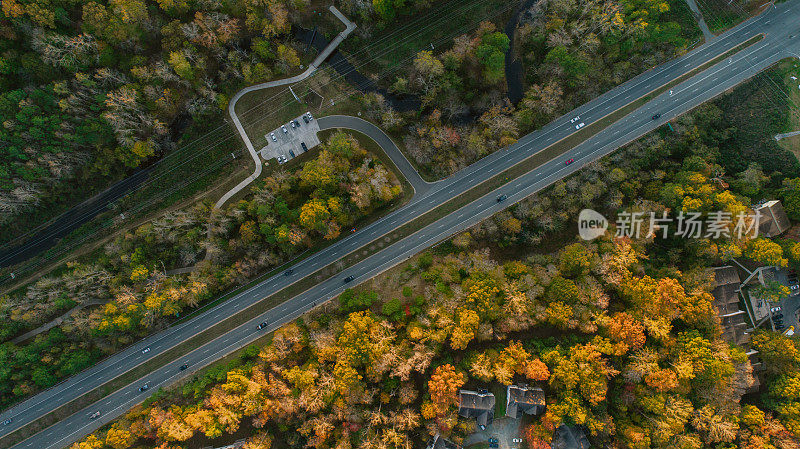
[
  {"x": 384, "y": 141},
  {"x": 504, "y": 429}
]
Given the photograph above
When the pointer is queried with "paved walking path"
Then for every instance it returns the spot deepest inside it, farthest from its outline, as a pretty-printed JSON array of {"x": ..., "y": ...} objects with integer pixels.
[
  {"x": 349, "y": 27},
  {"x": 785, "y": 135},
  {"x": 700, "y": 21},
  {"x": 53, "y": 323}
]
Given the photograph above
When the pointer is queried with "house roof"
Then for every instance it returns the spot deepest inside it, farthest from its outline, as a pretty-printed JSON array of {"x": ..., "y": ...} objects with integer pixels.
[
  {"x": 726, "y": 300},
  {"x": 774, "y": 220},
  {"x": 726, "y": 275},
  {"x": 569, "y": 437},
  {"x": 440, "y": 442},
  {"x": 524, "y": 399},
  {"x": 725, "y": 292},
  {"x": 472, "y": 404}
]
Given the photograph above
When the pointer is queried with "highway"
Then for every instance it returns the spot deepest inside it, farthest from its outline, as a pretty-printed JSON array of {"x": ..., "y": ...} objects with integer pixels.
[{"x": 778, "y": 25}]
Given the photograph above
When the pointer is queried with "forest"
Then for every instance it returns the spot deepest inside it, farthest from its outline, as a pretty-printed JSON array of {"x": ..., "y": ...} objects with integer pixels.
[
  {"x": 621, "y": 333},
  {"x": 570, "y": 52},
  {"x": 91, "y": 90},
  {"x": 128, "y": 289}
]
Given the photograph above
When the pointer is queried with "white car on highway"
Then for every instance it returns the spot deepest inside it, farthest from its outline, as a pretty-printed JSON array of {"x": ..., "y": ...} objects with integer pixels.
[{"x": 580, "y": 125}]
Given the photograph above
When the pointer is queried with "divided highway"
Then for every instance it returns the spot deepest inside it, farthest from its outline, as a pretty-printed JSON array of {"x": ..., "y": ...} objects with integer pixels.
[{"x": 781, "y": 26}]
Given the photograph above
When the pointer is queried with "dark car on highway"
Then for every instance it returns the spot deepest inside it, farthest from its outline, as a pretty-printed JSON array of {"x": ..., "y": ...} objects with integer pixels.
[
  {"x": 7, "y": 422},
  {"x": 502, "y": 198},
  {"x": 288, "y": 272},
  {"x": 262, "y": 325},
  {"x": 184, "y": 366},
  {"x": 144, "y": 387},
  {"x": 656, "y": 116},
  {"x": 349, "y": 278}
]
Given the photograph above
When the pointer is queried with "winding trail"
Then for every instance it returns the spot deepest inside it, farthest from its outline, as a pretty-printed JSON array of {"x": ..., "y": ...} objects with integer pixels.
[
  {"x": 349, "y": 27},
  {"x": 701, "y": 23}
]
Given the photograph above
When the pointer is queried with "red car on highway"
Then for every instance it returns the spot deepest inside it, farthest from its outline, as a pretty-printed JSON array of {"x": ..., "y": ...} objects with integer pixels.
[{"x": 569, "y": 161}]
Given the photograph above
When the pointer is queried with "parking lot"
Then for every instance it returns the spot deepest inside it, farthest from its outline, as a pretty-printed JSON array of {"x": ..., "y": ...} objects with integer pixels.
[
  {"x": 286, "y": 141},
  {"x": 502, "y": 433}
]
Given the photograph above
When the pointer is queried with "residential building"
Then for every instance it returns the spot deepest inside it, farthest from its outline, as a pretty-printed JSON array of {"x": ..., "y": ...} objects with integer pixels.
[
  {"x": 523, "y": 399},
  {"x": 440, "y": 442},
  {"x": 726, "y": 300},
  {"x": 773, "y": 221},
  {"x": 569, "y": 437},
  {"x": 476, "y": 404}
]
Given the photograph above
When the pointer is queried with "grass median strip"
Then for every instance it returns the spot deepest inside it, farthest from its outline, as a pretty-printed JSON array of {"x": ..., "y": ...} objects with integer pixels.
[{"x": 353, "y": 257}]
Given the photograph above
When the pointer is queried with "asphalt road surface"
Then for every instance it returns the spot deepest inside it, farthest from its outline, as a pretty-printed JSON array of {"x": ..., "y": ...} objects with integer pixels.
[
  {"x": 384, "y": 141},
  {"x": 781, "y": 25}
]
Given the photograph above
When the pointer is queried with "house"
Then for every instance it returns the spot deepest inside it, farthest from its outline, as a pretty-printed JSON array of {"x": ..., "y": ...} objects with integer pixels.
[
  {"x": 726, "y": 300},
  {"x": 440, "y": 442},
  {"x": 569, "y": 437},
  {"x": 523, "y": 399},
  {"x": 773, "y": 221},
  {"x": 736, "y": 324},
  {"x": 476, "y": 404}
]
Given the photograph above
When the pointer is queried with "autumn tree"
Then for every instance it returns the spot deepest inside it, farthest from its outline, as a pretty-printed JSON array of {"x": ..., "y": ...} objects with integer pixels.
[{"x": 443, "y": 385}]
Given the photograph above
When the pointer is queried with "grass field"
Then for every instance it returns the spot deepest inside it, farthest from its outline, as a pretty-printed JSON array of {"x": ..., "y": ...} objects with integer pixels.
[
  {"x": 791, "y": 68},
  {"x": 721, "y": 15}
]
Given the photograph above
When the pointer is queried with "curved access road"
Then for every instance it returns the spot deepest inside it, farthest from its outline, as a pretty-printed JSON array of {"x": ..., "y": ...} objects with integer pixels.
[
  {"x": 781, "y": 26},
  {"x": 349, "y": 27},
  {"x": 384, "y": 141}
]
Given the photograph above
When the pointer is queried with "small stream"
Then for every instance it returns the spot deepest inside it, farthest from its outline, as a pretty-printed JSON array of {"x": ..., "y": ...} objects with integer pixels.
[
  {"x": 400, "y": 103},
  {"x": 409, "y": 102},
  {"x": 514, "y": 70}
]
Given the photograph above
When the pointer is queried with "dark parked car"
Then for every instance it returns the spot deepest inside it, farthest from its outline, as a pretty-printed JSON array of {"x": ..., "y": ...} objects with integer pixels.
[
  {"x": 502, "y": 198},
  {"x": 656, "y": 116},
  {"x": 296, "y": 123},
  {"x": 305, "y": 119},
  {"x": 305, "y": 148},
  {"x": 291, "y": 153},
  {"x": 262, "y": 325},
  {"x": 349, "y": 278}
]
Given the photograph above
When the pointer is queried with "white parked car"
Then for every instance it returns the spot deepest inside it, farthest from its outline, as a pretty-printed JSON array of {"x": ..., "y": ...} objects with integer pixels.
[{"x": 272, "y": 135}]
